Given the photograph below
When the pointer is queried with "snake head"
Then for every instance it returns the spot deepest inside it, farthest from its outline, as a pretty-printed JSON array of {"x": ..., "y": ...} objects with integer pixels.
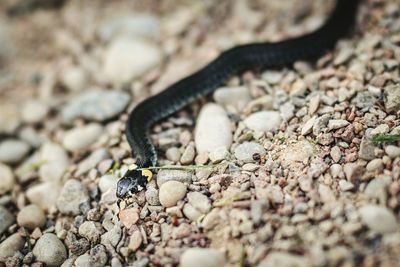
[{"x": 132, "y": 182}]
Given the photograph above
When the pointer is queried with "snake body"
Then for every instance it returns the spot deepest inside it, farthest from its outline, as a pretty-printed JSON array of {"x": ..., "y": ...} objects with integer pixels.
[{"x": 207, "y": 79}]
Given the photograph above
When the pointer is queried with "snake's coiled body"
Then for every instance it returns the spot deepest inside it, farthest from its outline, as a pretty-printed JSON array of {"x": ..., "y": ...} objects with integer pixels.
[{"x": 206, "y": 80}]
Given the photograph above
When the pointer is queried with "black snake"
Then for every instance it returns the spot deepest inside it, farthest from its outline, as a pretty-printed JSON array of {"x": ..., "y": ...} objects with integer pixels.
[{"x": 206, "y": 80}]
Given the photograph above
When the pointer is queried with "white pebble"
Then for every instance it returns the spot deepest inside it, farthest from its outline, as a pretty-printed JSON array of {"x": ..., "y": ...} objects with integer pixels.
[
  {"x": 263, "y": 121},
  {"x": 82, "y": 137},
  {"x": 171, "y": 192}
]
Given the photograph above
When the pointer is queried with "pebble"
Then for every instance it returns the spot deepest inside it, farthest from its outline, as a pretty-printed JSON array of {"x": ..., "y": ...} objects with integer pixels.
[
  {"x": 287, "y": 111},
  {"x": 44, "y": 195},
  {"x": 276, "y": 258},
  {"x": 13, "y": 151},
  {"x": 336, "y": 170},
  {"x": 135, "y": 54},
  {"x": 97, "y": 257},
  {"x": 73, "y": 194},
  {"x": 236, "y": 97},
  {"x": 272, "y": 76},
  {"x": 95, "y": 105},
  {"x": 199, "y": 257},
  {"x": 81, "y": 138},
  {"x": 6, "y": 219},
  {"x": 376, "y": 188},
  {"x": 307, "y": 127},
  {"x": 11, "y": 245},
  {"x": 199, "y": 201},
  {"x": 50, "y": 250},
  {"x": 246, "y": 151},
  {"x": 345, "y": 185},
  {"x": 263, "y": 121},
  {"x": 34, "y": 111},
  {"x": 213, "y": 129},
  {"x": 219, "y": 154},
  {"x": 173, "y": 175},
  {"x": 171, "y": 192},
  {"x": 31, "y": 216},
  {"x": 188, "y": 155},
  {"x": 92, "y": 160},
  {"x": 10, "y": 118},
  {"x": 91, "y": 231},
  {"x": 129, "y": 217},
  {"x": 367, "y": 149},
  {"x": 107, "y": 181},
  {"x": 297, "y": 152},
  {"x": 173, "y": 154},
  {"x": 74, "y": 78},
  {"x": 392, "y": 101},
  {"x": 191, "y": 212},
  {"x": 392, "y": 151},
  {"x": 337, "y": 124},
  {"x": 379, "y": 219},
  {"x": 135, "y": 241},
  {"x": 375, "y": 165},
  {"x": 55, "y": 162},
  {"x": 7, "y": 179},
  {"x": 152, "y": 196},
  {"x": 353, "y": 171}
]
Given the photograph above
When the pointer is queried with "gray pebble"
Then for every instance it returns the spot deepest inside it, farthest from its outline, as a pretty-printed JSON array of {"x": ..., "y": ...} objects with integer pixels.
[
  {"x": 173, "y": 154},
  {"x": 236, "y": 97},
  {"x": 152, "y": 196},
  {"x": 13, "y": 151},
  {"x": 199, "y": 257},
  {"x": 11, "y": 245},
  {"x": 263, "y": 121},
  {"x": 92, "y": 160},
  {"x": 91, "y": 231},
  {"x": 55, "y": 162},
  {"x": 73, "y": 194},
  {"x": 50, "y": 250},
  {"x": 82, "y": 137},
  {"x": 247, "y": 150},
  {"x": 337, "y": 124},
  {"x": 6, "y": 219},
  {"x": 199, "y": 201},
  {"x": 7, "y": 180},
  {"x": 95, "y": 106},
  {"x": 31, "y": 216},
  {"x": 107, "y": 181},
  {"x": 34, "y": 111},
  {"x": 173, "y": 175},
  {"x": 392, "y": 102}
]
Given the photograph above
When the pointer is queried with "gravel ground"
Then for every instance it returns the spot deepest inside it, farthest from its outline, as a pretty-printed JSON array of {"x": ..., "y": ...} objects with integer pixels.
[{"x": 297, "y": 175}]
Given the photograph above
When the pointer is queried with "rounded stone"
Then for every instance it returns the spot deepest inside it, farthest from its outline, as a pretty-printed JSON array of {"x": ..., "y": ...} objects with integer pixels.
[
  {"x": 7, "y": 179},
  {"x": 10, "y": 246},
  {"x": 13, "y": 151},
  {"x": 171, "y": 192},
  {"x": 82, "y": 137},
  {"x": 199, "y": 257},
  {"x": 31, "y": 217},
  {"x": 72, "y": 195},
  {"x": 246, "y": 151},
  {"x": 379, "y": 219},
  {"x": 263, "y": 121},
  {"x": 34, "y": 111},
  {"x": 50, "y": 250}
]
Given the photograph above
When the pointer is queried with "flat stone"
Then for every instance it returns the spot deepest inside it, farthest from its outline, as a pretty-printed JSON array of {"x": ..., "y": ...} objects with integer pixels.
[
  {"x": 92, "y": 160},
  {"x": 337, "y": 124},
  {"x": 173, "y": 175},
  {"x": 95, "y": 105},
  {"x": 82, "y": 137},
  {"x": 34, "y": 111},
  {"x": 13, "y": 151},
  {"x": 73, "y": 194},
  {"x": 6, "y": 219},
  {"x": 213, "y": 129},
  {"x": 11, "y": 245}
]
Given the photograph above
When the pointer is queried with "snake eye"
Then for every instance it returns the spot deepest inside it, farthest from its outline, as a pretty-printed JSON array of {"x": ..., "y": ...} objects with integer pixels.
[{"x": 132, "y": 182}]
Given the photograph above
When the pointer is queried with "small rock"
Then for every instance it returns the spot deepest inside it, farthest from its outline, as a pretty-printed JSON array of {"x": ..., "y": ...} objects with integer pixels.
[
  {"x": 7, "y": 180},
  {"x": 34, "y": 111},
  {"x": 13, "y": 151},
  {"x": 50, "y": 250},
  {"x": 82, "y": 137},
  {"x": 11, "y": 245},
  {"x": 287, "y": 111},
  {"x": 345, "y": 185},
  {"x": 297, "y": 152},
  {"x": 135, "y": 241},
  {"x": 74, "y": 78},
  {"x": 31, "y": 216},
  {"x": 353, "y": 171},
  {"x": 188, "y": 155},
  {"x": 236, "y": 97},
  {"x": 173, "y": 154},
  {"x": 97, "y": 257},
  {"x": 108, "y": 181},
  {"x": 376, "y": 188},
  {"x": 375, "y": 165},
  {"x": 307, "y": 128},
  {"x": 173, "y": 175},
  {"x": 129, "y": 217},
  {"x": 92, "y": 160},
  {"x": 219, "y": 154},
  {"x": 392, "y": 102},
  {"x": 367, "y": 149},
  {"x": 44, "y": 195},
  {"x": 336, "y": 170},
  {"x": 191, "y": 212},
  {"x": 263, "y": 121},
  {"x": 6, "y": 219},
  {"x": 10, "y": 118},
  {"x": 272, "y": 76},
  {"x": 199, "y": 201},
  {"x": 199, "y": 257},
  {"x": 336, "y": 154},
  {"x": 276, "y": 258},
  {"x": 91, "y": 231},
  {"x": 73, "y": 194},
  {"x": 55, "y": 162},
  {"x": 392, "y": 151},
  {"x": 213, "y": 129},
  {"x": 171, "y": 192},
  {"x": 136, "y": 55},
  {"x": 246, "y": 151},
  {"x": 379, "y": 219},
  {"x": 95, "y": 105},
  {"x": 337, "y": 124},
  {"x": 152, "y": 196}
]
